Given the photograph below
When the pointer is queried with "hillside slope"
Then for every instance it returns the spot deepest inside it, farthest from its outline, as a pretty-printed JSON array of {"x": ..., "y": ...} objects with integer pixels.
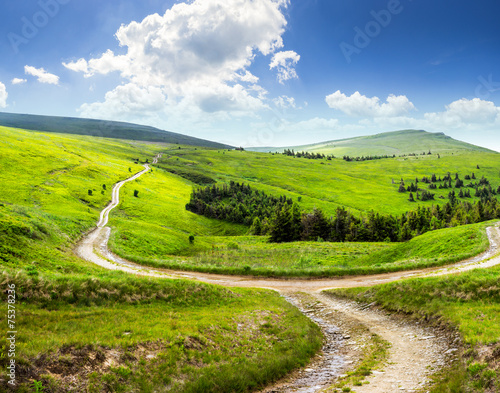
[
  {"x": 101, "y": 128},
  {"x": 387, "y": 143}
]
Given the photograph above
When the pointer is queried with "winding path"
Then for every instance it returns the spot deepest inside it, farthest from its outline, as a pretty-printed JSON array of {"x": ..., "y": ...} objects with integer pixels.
[{"x": 413, "y": 348}]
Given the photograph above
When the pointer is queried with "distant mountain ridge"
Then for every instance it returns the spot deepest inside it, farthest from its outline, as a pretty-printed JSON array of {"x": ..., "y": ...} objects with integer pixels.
[
  {"x": 101, "y": 128},
  {"x": 386, "y": 143}
]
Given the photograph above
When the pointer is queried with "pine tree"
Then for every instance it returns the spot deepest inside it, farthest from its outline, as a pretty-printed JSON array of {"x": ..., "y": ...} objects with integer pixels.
[{"x": 256, "y": 228}]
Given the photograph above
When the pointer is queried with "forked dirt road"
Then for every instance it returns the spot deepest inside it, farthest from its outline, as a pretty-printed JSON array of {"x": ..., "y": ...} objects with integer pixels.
[{"x": 415, "y": 352}]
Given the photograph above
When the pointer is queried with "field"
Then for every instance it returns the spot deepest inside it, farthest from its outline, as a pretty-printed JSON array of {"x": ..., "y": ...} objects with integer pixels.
[
  {"x": 69, "y": 311},
  {"x": 359, "y": 186},
  {"x": 121, "y": 333},
  {"x": 54, "y": 186}
]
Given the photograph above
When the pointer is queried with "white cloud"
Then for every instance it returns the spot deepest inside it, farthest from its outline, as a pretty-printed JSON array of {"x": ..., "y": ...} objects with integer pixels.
[
  {"x": 361, "y": 105},
  {"x": 126, "y": 101},
  {"x": 3, "y": 96},
  {"x": 285, "y": 102},
  {"x": 465, "y": 111},
  {"x": 285, "y": 63},
  {"x": 18, "y": 81},
  {"x": 78, "y": 66},
  {"x": 42, "y": 75},
  {"x": 107, "y": 63},
  {"x": 198, "y": 52},
  {"x": 466, "y": 119}
]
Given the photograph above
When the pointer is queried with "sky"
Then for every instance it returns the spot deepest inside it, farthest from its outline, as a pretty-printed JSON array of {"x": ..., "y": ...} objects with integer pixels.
[{"x": 258, "y": 72}]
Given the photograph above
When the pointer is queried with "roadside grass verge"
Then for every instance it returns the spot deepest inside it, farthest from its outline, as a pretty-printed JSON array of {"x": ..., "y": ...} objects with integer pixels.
[
  {"x": 130, "y": 333},
  {"x": 468, "y": 302}
]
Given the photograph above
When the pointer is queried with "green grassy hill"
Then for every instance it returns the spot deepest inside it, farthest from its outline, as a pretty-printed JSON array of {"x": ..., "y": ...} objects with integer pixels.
[
  {"x": 83, "y": 328},
  {"x": 327, "y": 184},
  {"x": 53, "y": 188},
  {"x": 101, "y": 128},
  {"x": 387, "y": 143}
]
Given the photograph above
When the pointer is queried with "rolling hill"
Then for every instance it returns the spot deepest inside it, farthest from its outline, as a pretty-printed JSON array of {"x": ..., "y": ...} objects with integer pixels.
[
  {"x": 54, "y": 187},
  {"x": 101, "y": 128},
  {"x": 387, "y": 143}
]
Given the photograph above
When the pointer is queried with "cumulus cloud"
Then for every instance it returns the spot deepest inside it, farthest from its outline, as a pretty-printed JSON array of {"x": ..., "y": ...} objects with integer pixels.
[
  {"x": 465, "y": 111},
  {"x": 42, "y": 75},
  {"x": 285, "y": 63},
  {"x": 108, "y": 62},
  {"x": 197, "y": 51},
  {"x": 126, "y": 101},
  {"x": 464, "y": 116},
  {"x": 3, "y": 96},
  {"x": 18, "y": 81},
  {"x": 80, "y": 65},
  {"x": 361, "y": 105}
]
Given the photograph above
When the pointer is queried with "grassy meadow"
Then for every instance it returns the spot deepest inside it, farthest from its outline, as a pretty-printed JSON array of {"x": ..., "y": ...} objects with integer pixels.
[
  {"x": 114, "y": 330},
  {"x": 154, "y": 230},
  {"x": 126, "y": 334},
  {"x": 85, "y": 328},
  {"x": 359, "y": 186}
]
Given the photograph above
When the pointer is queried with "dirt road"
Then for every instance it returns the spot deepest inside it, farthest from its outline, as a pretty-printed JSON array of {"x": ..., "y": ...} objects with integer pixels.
[{"x": 415, "y": 351}]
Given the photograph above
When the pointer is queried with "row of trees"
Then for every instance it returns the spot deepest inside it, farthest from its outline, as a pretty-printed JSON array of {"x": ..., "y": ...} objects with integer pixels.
[
  {"x": 289, "y": 224},
  {"x": 308, "y": 155},
  {"x": 366, "y": 158},
  {"x": 319, "y": 156},
  {"x": 284, "y": 221}
]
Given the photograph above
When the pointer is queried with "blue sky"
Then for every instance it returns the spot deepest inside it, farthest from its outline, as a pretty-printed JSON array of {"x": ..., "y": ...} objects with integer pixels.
[{"x": 258, "y": 72}]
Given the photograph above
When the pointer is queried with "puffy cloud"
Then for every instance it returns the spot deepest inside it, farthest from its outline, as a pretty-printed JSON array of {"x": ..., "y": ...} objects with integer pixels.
[
  {"x": 361, "y": 105},
  {"x": 197, "y": 51},
  {"x": 465, "y": 111},
  {"x": 126, "y": 101},
  {"x": 3, "y": 96},
  {"x": 42, "y": 75},
  {"x": 463, "y": 118},
  {"x": 226, "y": 98},
  {"x": 80, "y": 65},
  {"x": 108, "y": 62},
  {"x": 285, "y": 63},
  {"x": 18, "y": 81}
]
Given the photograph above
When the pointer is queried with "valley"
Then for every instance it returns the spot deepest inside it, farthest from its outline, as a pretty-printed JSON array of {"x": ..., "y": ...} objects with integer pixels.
[{"x": 180, "y": 300}]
